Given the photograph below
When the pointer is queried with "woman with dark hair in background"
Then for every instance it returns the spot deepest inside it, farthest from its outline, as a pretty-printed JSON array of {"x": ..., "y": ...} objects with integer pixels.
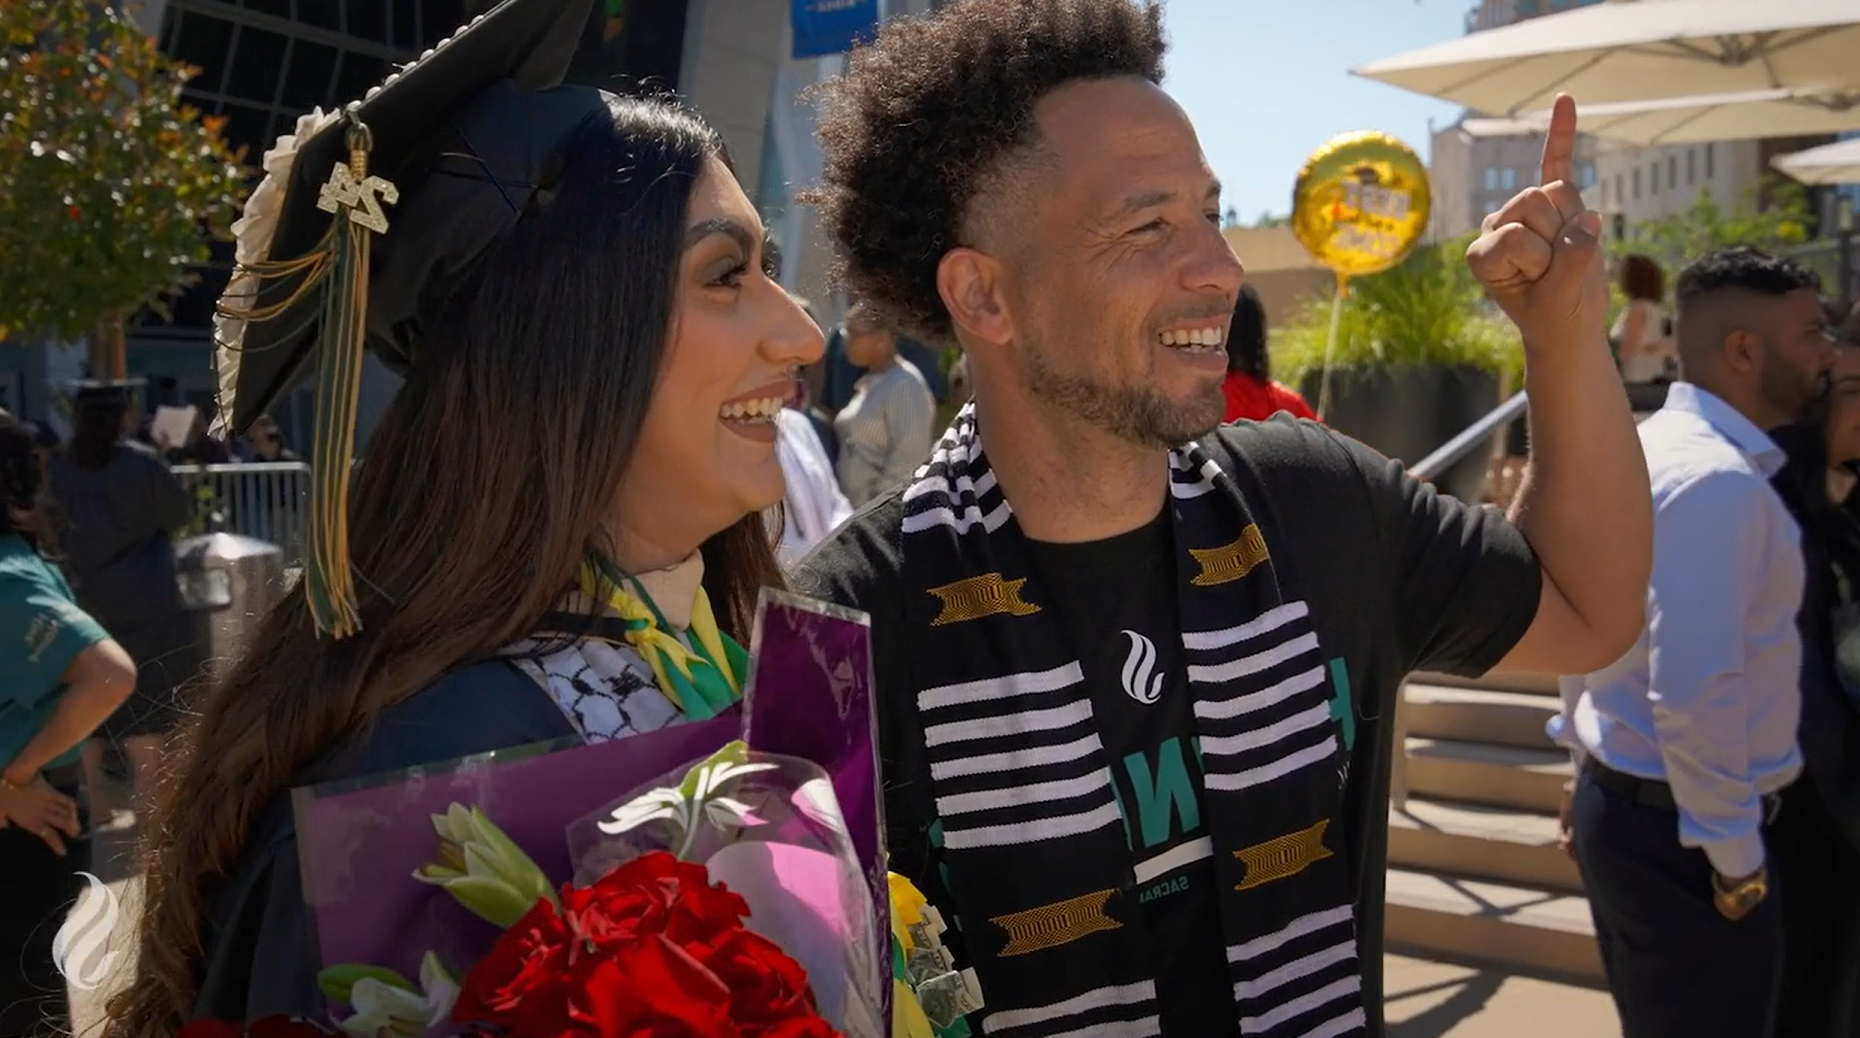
[
  {"x": 121, "y": 507},
  {"x": 60, "y": 677},
  {"x": 1251, "y": 393},
  {"x": 1643, "y": 341},
  {"x": 583, "y": 275}
]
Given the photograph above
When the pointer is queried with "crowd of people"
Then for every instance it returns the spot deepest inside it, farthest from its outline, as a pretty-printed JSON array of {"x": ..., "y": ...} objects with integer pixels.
[{"x": 1138, "y": 637}]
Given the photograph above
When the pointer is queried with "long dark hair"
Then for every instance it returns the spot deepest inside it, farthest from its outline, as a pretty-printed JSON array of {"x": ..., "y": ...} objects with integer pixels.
[
  {"x": 1246, "y": 336},
  {"x": 22, "y": 487},
  {"x": 462, "y": 541},
  {"x": 97, "y": 429}
]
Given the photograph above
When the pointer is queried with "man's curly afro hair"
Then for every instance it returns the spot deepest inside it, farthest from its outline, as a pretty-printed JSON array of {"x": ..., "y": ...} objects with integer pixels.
[{"x": 926, "y": 114}]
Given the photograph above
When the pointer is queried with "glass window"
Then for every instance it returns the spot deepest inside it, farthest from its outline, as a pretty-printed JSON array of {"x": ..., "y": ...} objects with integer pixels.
[
  {"x": 281, "y": 8},
  {"x": 406, "y": 25},
  {"x": 324, "y": 14},
  {"x": 1709, "y": 154},
  {"x": 1508, "y": 178},
  {"x": 306, "y": 80},
  {"x": 1620, "y": 195},
  {"x": 1491, "y": 178},
  {"x": 1672, "y": 171},
  {"x": 257, "y": 58},
  {"x": 1586, "y": 176},
  {"x": 439, "y": 17},
  {"x": 248, "y": 127},
  {"x": 1692, "y": 166},
  {"x": 356, "y": 74},
  {"x": 203, "y": 41},
  {"x": 1637, "y": 183},
  {"x": 368, "y": 19},
  {"x": 1653, "y": 178}
]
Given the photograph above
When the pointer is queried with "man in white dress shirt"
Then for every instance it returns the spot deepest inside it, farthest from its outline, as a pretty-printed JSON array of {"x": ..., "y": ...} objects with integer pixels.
[{"x": 1684, "y": 742}]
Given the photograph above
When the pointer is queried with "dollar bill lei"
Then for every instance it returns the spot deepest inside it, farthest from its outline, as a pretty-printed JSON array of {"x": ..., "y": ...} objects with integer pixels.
[
  {"x": 930, "y": 997},
  {"x": 702, "y": 679}
]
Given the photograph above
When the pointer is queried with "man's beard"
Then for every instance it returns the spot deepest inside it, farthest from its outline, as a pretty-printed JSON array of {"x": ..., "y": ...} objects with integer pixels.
[
  {"x": 1786, "y": 390},
  {"x": 1136, "y": 414}
]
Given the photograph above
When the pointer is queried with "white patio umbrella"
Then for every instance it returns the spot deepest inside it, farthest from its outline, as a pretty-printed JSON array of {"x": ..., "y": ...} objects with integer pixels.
[
  {"x": 1751, "y": 114},
  {"x": 1639, "y": 50},
  {"x": 1837, "y": 163}
]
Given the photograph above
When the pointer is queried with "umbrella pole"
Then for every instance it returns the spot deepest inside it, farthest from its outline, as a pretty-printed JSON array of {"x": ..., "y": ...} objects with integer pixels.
[{"x": 1330, "y": 346}]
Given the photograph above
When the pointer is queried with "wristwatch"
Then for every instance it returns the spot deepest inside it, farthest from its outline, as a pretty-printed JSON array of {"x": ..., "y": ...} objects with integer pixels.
[{"x": 1741, "y": 898}]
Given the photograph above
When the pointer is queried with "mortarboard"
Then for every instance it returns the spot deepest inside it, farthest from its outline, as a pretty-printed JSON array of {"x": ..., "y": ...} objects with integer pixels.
[
  {"x": 366, "y": 220},
  {"x": 86, "y": 391}
]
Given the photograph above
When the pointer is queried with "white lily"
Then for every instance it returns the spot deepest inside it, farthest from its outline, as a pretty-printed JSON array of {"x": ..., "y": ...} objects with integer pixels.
[
  {"x": 699, "y": 798},
  {"x": 384, "y": 1010}
]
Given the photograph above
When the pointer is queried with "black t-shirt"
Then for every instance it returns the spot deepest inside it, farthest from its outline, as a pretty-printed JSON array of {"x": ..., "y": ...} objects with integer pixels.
[
  {"x": 1397, "y": 577},
  {"x": 1120, "y": 609}
]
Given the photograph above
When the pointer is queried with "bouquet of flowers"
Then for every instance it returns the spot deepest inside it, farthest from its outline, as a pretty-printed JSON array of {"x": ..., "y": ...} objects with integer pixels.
[{"x": 735, "y": 886}]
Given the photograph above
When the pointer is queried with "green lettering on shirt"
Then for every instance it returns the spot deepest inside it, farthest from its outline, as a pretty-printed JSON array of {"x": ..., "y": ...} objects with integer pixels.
[
  {"x": 1163, "y": 796},
  {"x": 1340, "y": 710}
]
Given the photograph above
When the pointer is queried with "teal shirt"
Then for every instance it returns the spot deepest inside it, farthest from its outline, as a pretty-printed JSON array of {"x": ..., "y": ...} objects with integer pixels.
[{"x": 41, "y": 631}]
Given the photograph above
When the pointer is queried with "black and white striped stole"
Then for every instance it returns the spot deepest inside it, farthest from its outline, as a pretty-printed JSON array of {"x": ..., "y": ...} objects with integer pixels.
[{"x": 1031, "y": 838}]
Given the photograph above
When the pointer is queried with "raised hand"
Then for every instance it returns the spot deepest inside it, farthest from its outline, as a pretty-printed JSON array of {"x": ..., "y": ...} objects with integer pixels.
[{"x": 1540, "y": 256}]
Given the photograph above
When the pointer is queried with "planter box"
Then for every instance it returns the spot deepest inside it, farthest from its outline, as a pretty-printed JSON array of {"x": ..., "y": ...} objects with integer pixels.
[{"x": 1407, "y": 413}]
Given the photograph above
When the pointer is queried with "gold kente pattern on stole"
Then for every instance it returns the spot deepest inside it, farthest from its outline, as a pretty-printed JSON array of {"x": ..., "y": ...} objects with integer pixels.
[
  {"x": 975, "y": 597},
  {"x": 1230, "y": 562},
  {"x": 1283, "y": 856},
  {"x": 1062, "y": 922}
]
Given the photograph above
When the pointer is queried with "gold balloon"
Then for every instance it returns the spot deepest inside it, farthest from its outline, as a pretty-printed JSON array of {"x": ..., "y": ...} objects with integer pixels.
[{"x": 1361, "y": 203}]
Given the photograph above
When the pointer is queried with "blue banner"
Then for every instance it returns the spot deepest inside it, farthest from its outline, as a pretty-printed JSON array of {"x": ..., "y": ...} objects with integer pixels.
[{"x": 823, "y": 27}]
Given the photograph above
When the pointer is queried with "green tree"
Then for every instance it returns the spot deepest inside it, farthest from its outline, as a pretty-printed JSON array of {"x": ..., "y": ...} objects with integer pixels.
[
  {"x": 110, "y": 188},
  {"x": 1428, "y": 310},
  {"x": 1772, "y": 215}
]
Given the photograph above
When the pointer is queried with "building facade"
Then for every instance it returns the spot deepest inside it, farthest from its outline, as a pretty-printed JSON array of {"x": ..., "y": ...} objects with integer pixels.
[{"x": 1478, "y": 163}]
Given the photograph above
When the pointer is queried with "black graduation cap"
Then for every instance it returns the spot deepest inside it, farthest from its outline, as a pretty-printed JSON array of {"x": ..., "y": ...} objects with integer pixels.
[
  {"x": 383, "y": 209},
  {"x": 85, "y": 391}
]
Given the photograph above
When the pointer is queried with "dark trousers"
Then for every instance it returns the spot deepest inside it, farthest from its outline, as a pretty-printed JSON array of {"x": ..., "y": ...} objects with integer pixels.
[
  {"x": 1676, "y": 968},
  {"x": 1821, "y": 919},
  {"x": 37, "y": 888}
]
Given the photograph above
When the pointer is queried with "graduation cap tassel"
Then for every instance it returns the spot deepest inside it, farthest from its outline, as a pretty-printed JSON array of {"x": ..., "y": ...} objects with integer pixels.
[{"x": 356, "y": 199}]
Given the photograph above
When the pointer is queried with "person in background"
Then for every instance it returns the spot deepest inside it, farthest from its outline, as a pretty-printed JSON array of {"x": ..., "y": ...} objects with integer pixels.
[
  {"x": 1684, "y": 743},
  {"x": 122, "y": 506},
  {"x": 60, "y": 677},
  {"x": 267, "y": 442},
  {"x": 1251, "y": 393},
  {"x": 1643, "y": 342},
  {"x": 1815, "y": 840},
  {"x": 813, "y": 504},
  {"x": 840, "y": 373},
  {"x": 884, "y": 430}
]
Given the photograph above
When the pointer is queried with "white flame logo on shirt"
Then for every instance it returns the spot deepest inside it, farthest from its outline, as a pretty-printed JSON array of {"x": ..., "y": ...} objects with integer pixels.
[
  {"x": 1140, "y": 677},
  {"x": 78, "y": 950}
]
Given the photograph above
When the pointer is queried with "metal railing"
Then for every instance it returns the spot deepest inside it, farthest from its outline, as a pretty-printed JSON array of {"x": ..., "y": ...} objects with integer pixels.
[{"x": 269, "y": 501}]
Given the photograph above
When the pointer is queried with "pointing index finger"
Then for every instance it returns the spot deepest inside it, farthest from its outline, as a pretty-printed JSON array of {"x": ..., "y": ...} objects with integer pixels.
[{"x": 1559, "y": 162}]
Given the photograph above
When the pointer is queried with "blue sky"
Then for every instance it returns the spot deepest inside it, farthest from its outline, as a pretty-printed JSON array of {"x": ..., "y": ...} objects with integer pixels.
[{"x": 1267, "y": 82}]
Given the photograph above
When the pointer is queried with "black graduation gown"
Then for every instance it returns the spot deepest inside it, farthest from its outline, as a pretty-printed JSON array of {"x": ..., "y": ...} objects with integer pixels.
[{"x": 260, "y": 959}]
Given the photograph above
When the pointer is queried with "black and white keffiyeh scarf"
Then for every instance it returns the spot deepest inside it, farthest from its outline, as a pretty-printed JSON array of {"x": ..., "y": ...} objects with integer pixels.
[{"x": 1030, "y": 835}]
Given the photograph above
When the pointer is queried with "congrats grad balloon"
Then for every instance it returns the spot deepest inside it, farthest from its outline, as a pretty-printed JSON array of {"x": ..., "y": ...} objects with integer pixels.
[{"x": 1361, "y": 203}]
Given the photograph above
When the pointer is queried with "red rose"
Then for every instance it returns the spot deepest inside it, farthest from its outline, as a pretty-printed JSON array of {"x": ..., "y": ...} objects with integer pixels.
[
  {"x": 524, "y": 982},
  {"x": 766, "y": 985},
  {"x": 653, "y": 989},
  {"x": 656, "y": 893}
]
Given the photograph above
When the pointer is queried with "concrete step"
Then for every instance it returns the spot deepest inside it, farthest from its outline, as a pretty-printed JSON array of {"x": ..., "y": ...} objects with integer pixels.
[
  {"x": 1544, "y": 931},
  {"x": 1487, "y": 773},
  {"x": 1542, "y": 684},
  {"x": 1485, "y": 842},
  {"x": 1479, "y": 715}
]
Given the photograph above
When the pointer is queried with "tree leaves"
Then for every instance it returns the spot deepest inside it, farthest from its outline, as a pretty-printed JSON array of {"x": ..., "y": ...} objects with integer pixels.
[{"x": 110, "y": 189}]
